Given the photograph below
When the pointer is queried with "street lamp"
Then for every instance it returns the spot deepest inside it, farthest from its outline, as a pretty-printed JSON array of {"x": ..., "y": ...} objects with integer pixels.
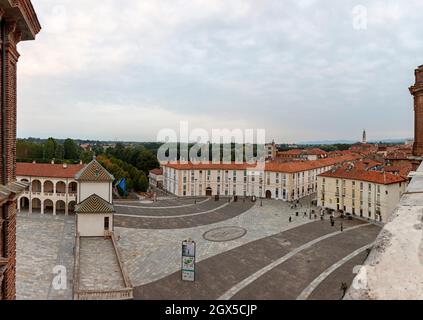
[{"x": 195, "y": 190}]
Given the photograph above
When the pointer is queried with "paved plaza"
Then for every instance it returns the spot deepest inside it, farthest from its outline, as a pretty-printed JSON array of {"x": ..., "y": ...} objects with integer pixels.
[
  {"x": 43, "y": 242},
  {"x": 99, "y": 266},
  {"x": 245, "y": 250},
  {"x": 253, "y": 253}
]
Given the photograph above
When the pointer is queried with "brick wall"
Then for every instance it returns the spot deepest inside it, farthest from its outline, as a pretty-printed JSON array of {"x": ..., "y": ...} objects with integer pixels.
[
  {"x": 11, "y": 12},
  {"x": 8, "y": 134}
]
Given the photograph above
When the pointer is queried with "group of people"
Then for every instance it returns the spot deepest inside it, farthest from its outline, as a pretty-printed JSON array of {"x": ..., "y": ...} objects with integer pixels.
[{"x": 312, "y": 214}]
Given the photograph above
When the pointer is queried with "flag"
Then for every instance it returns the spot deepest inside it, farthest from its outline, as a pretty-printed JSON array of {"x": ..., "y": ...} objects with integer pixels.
[{"x": 122, "y": 185}]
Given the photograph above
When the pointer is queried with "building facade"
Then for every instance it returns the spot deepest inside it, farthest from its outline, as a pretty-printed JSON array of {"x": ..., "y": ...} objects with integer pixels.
[
  {"x": 286, "y": 181},
  {"x": 366, "y": 193},
  {"x": 18, "y": 22},
  {"x": 52, "y": 188},
  {"x": 94, "y": 211},
  {"x": 155, "y": 178}
]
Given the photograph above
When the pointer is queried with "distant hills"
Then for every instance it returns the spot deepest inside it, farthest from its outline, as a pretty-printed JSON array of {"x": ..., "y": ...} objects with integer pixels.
[{"x": 324, "y": 142}]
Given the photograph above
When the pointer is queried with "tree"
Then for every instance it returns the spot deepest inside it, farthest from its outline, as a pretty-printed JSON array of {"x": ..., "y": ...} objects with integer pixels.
[
  {"x": 59, "y": 152},
  {"x": 50, "y": 148},
  {"x": 87, "y": 156},
  {"x": 146, "y": 160},
  {"x": 72, "y": 150}
]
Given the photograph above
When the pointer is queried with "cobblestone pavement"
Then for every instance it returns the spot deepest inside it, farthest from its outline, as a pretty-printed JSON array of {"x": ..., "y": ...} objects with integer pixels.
[
  {"x": 151, "y": 254},
  {"x": 180, "y": 218},
  {"x": 99, "y": 267},
  {"x": 43, "y": 242},
  {"x": 165, "y": 203},
  {"x": 225, "y": 272}
]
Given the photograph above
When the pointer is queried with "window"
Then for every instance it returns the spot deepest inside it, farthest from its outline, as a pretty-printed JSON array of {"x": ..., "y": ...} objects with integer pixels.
[{"x": 106, "y": 223}]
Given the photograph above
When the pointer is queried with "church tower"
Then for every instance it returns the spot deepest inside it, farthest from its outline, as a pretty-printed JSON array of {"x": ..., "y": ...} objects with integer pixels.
[
  {"x": 417, "y": 92},
  {"x": 364, "y": 140}
]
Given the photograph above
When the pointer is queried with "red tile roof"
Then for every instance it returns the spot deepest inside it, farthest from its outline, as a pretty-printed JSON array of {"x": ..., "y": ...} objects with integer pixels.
[
  {"x": 157, "y": 171},
  {"x": 378, "y": 177},
  {"x": 315, "y": 151},
  {"x": 275, "y": 166},
  {"x": 208, "y": 166},
  {"x": 299, "y": 166},
  {"x": 47, "y": 170}
]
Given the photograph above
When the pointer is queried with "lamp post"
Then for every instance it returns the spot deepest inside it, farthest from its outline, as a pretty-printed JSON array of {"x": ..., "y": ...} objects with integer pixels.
[{"x": 195, "y": 190}]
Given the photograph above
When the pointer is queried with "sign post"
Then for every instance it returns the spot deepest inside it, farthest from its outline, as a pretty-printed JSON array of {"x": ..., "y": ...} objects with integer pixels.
[{"x": 188, "y": 260}]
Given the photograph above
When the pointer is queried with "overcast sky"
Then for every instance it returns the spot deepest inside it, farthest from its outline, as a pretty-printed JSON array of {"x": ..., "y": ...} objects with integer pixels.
[{"x": 302, "y": 70}]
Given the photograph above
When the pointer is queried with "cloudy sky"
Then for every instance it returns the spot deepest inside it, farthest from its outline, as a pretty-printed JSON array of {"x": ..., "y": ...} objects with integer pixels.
[{"x": 302, "y": 70}]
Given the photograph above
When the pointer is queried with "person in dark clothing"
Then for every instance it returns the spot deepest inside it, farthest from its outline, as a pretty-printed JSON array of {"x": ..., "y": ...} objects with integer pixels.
[
  {"x": 344, "y": 288},
  {"x": 290, "y": 219}
]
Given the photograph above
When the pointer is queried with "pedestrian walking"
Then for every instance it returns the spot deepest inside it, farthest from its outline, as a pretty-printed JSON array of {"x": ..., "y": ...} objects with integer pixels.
[
  {"x": 344, "y": 288},
  {"x": 290, "y": 219},
  {"x": 342, "y": 226}
]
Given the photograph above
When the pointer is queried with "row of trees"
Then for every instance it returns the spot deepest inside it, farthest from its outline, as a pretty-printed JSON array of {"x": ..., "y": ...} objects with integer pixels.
[
  {"x": 137, "y": 156},
  {"x": 130, "y": 162},
  {"x": 27, "y": 150},
  {"x": 135, "y": 179}
]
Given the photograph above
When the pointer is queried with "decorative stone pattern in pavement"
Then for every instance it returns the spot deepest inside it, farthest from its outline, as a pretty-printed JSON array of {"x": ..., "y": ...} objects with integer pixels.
[
  {"x": 224, "y": 234},
  {"x": 99, "y": 268},
  {"x": 152, "y": 254},
  {"x": 43, "y": 242}
]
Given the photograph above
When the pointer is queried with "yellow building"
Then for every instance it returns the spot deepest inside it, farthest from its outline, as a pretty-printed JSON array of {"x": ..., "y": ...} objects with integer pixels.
[{"x": 366, "y": 193}]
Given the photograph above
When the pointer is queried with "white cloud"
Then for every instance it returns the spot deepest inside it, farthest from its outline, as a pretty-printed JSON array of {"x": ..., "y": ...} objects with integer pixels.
[{"x": 288, "y": 66}]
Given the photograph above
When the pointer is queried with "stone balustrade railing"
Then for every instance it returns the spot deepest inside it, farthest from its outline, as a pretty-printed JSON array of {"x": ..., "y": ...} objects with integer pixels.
[
  {"x": 121, "y": 294},
  {"x": 112, "y": 294}
]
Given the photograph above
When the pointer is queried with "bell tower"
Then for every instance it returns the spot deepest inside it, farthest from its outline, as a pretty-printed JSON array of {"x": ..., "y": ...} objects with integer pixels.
[{"x": 417, "y": 92}]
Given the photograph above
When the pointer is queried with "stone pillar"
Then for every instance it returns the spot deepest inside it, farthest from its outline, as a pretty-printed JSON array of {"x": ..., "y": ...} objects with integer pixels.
[
  {"x": 417, "y": 92},
  {"x": 42, "y": 206}
]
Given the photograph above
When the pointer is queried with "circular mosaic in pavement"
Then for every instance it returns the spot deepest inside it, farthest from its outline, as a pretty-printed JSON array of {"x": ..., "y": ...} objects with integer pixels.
[{"x": 224, "y": 234}]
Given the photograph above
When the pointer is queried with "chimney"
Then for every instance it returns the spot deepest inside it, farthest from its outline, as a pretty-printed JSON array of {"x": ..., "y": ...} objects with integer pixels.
[
  {"x": 52, "y": 161},
  {"x": 65, "y": 165},
  {"x": 34, "y": 161}
]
